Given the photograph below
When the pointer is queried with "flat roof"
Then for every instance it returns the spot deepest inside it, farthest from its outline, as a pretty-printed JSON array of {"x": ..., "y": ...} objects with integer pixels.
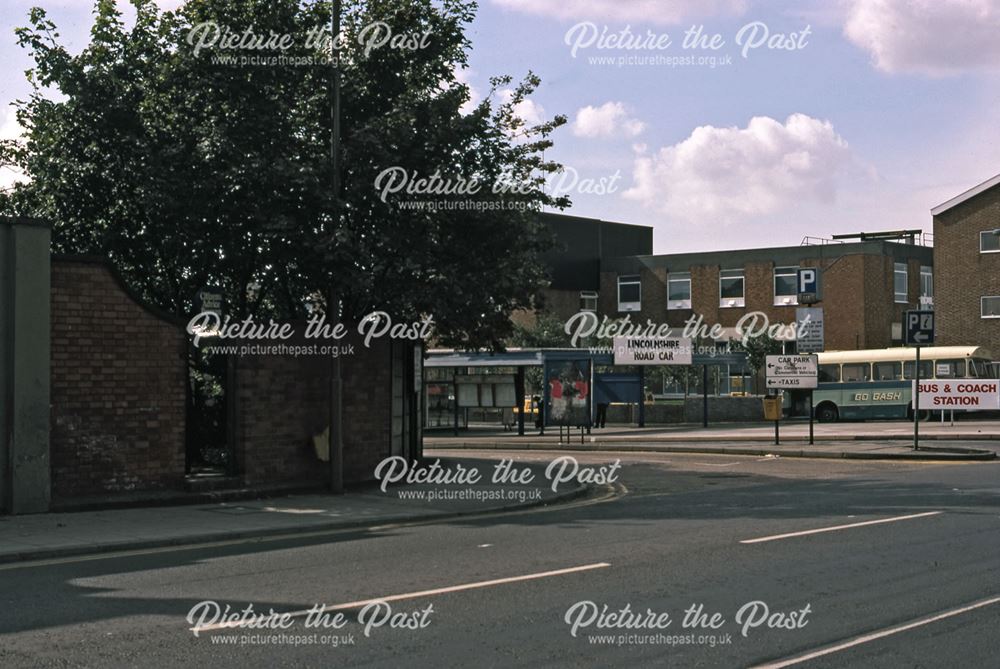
[{"x": 779, "y": 255}]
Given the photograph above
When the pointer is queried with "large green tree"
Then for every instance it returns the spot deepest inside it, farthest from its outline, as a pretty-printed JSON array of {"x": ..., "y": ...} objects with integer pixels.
[{"x": 186, "y": 170}]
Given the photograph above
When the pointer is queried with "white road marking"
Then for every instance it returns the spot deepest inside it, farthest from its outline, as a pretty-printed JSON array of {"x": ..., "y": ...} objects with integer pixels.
[
  {"x": 872, "y": 636},
  {"x": 835, "y": 528},
  {"x": 423, "y": 593},
  {"x": 716, "y": 464}
]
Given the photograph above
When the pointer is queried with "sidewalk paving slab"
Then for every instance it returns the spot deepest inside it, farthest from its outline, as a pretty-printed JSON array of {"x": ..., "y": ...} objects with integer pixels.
[
  {"x": 67, "y": 534},
  {"x": 797, "y": 448}
]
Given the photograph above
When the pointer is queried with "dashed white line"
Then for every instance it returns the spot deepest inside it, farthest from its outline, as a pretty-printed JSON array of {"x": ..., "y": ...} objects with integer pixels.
[
  {"x": 422, "y": 593},
  {"x": 835, "y": 528},
  {"x": 872, "y": 636}
]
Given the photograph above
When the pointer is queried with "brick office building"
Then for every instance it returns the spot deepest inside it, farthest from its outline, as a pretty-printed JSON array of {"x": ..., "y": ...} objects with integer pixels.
[
  {"x": 866, "y": 287},
  {"x": 574, "y": 262},
  {"x": 967, "y": 255}
]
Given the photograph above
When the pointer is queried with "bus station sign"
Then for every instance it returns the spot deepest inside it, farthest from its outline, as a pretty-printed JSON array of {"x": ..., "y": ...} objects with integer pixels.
[
  {"x": 960, "y": 394},
  {"x": 652, "y": 351},
  {"x": 791, "y": 371}
]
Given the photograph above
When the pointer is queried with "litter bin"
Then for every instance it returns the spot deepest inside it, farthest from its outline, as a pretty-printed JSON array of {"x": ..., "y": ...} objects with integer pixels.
[{"x": 772, "y": 408}]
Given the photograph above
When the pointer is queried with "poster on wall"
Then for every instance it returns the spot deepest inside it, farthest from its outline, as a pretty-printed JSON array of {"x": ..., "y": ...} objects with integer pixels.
[{"x": 568, "y": 392}]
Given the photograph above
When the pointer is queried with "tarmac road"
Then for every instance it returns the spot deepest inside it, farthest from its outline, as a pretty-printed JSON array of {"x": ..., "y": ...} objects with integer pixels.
[{"x": 918, "y": 588}]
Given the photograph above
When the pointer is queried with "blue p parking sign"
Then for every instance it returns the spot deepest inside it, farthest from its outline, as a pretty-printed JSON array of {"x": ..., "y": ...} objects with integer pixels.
[
  {"x": 808, "y": 285},
  {"x": 919, "y": 328}
]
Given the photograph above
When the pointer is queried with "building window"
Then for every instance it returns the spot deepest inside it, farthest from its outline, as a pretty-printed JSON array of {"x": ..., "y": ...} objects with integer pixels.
[
  {"x": 990, "y": 306},
  {"x": 629, "y": 293},
  {"x": 731, "y": 288},
  {"x": 588, "y": 300},
  {"x": 989, "y": 241},
  {"x": 926, "y": 286},
  {"x": 679, "y": 290},
  {"x": 786, "y": 285},
  {"x": 900, "y": 282}
]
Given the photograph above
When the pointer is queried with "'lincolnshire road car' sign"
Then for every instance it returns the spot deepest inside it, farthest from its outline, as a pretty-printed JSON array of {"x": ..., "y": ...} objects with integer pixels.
[
  {"x": 791, "y": 371},
  {"x": 961, "y": 394},
  {"x": 652, "y": 351}
]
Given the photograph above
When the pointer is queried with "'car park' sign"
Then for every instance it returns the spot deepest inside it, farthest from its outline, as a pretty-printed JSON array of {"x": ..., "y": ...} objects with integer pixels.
[
  {"x": 961, "y": 394},
  {"x": 791, "y": 371},
  {"x": 652, "y": 351}
]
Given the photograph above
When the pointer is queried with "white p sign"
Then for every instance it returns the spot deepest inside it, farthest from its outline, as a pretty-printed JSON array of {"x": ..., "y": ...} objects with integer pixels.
[{"x": 807, "y": 280}]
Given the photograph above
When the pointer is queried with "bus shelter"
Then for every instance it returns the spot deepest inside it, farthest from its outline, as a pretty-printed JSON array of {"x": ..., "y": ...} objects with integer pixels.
[{"x": 571, "y": 386}]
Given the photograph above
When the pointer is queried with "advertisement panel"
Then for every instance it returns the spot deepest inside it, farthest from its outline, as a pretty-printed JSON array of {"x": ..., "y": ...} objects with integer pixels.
[{"x": 567, "y": 392}]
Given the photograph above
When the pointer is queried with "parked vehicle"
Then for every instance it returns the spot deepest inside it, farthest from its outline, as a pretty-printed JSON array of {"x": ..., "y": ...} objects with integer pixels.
[{"x": 877, "y": 383}]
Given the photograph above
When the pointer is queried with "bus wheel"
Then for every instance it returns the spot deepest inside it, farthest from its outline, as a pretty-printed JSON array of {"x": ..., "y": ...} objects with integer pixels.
[{"x": 827, "y": 413}]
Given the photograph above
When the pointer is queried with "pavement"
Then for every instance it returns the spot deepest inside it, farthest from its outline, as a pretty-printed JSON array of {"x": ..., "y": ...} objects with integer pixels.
[
  {"x": 965, "y": 440},
  {"x": 58, "y": 535}
]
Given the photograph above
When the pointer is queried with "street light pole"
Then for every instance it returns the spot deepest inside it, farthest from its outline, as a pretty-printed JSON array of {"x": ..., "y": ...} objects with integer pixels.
[{"x": 336, "y": 444}]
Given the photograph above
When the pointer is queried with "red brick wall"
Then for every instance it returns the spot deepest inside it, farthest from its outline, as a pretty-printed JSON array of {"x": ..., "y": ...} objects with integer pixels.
[
  {"x": 962, "y": 275},
  {"x": 284, "y": 402},
  {"x": 118, "y": 374}
]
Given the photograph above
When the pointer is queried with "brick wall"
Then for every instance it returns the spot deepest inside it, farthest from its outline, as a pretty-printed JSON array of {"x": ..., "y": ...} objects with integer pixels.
[
  {"x": 859, "y": 311},
  {"x": 283, "y": 401},
  {"x": 118, "y": 375},
  {"x": 963, "y": 275}
]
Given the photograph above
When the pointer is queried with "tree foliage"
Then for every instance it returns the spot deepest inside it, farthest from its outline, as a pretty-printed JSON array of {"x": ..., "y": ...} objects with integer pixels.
[{"x": 186, "y": 171}]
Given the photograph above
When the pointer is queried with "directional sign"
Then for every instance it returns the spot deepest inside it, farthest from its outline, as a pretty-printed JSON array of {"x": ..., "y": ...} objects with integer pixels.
[
  {"x": 809, "y": 329},
  {"x": 808, "y": 282},
  {"x": 652, "y": 351},
  {"x": 960, "y": 394},
  {"x": 919, "y": 328},
  {"x": 791, "y": 371}
]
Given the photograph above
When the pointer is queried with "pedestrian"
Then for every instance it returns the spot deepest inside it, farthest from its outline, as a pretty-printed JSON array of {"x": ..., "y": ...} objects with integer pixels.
[{"x": 602, "y": 414}]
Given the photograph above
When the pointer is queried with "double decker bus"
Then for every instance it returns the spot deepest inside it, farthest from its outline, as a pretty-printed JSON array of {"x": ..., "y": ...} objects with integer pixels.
[{"x": 877, "y": 383}]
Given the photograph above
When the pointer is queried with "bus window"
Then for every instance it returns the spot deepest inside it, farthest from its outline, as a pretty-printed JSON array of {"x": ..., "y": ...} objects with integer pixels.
[
  {"x": 859, "y": 371},
  {"x": 950, "y": 369},
  {"x": 886, "y": 371},
  {"x": 983, "y": 369},
  {"x": 829, "y": 373},
  {"x": 926, "y": 369}
]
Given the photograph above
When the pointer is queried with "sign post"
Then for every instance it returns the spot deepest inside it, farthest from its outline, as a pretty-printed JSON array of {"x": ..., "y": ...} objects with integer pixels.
[
  {"x": 793, "y": 371},
  {"x": 811, "y": 417},
  {"x": 919, "y": 332}
]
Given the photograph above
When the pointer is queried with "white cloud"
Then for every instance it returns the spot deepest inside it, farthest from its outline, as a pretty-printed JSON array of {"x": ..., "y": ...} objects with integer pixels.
[
  {"x": 648, "y": 11},
  {"x": 463, "y": 75},
  {"x": 936, "y": 37},
  {"x": 530, "y": 111},
  {"x": 718, "y": 175},
  {"x": 609, "y": 120}
]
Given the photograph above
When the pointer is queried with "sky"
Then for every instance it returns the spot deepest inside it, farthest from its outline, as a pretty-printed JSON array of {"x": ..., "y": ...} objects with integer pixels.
[{"x": 776, "y": 120}]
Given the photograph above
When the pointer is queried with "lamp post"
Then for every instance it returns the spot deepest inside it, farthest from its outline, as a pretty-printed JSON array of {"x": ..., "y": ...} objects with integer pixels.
[{"x": 336, "y": 434}]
